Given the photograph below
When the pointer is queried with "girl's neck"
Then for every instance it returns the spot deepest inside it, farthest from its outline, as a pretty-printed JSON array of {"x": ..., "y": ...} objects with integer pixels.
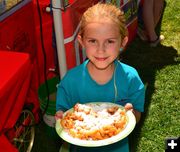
[{"x": 101, "y": 76}]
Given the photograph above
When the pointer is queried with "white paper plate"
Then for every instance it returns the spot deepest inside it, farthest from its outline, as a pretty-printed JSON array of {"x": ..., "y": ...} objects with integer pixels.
[{"x": 90, "y": 143}]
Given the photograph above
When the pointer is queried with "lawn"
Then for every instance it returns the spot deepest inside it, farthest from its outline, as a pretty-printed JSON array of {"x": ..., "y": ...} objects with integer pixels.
[{"x": 159, "y": 68}]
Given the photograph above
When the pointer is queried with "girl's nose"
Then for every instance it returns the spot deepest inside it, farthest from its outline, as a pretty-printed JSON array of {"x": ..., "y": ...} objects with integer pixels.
[{"x": 101, "y": 47}]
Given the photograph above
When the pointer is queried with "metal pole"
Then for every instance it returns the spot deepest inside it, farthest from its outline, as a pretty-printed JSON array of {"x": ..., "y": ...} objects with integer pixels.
[{"x": 57, "y": 16}]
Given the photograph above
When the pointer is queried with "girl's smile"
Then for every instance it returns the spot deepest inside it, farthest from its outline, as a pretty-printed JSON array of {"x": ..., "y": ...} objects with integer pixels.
[{"x": 101, "y": 58}]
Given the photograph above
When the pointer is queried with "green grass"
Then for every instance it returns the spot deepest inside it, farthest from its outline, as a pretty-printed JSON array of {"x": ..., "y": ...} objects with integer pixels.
[{"x": 159, "y": 68}]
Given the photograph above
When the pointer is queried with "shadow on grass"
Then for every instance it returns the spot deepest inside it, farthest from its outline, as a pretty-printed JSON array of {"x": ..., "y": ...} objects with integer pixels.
[{"x": 147, "y": 61}]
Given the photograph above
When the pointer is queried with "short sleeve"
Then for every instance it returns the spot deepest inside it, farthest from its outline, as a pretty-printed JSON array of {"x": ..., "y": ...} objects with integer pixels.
[
  {"x": 137, "y": 93},
  {"x": 62, "y": 97}
]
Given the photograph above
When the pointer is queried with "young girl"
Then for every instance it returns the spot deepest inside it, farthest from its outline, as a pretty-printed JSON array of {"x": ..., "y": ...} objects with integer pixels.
[{"x": 102, "y": 77}]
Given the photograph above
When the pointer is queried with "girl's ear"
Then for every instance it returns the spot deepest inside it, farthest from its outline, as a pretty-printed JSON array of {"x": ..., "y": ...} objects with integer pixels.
[
  {"x": 80, "y": 40},
  {"x": 124, "y": 42}
]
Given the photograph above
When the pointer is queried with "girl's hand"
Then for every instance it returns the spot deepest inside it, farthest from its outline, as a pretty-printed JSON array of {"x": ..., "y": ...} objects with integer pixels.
[
  {"x": 129, "y": 106},
  {"x": 137, "y": 114},
  {"x": 59, "y": 115}
]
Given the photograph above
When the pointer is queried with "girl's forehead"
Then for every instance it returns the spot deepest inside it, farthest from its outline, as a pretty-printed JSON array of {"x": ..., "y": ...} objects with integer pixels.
[
  {"x": 100, "y": 19},
  {"x": 102, "y": 28}
]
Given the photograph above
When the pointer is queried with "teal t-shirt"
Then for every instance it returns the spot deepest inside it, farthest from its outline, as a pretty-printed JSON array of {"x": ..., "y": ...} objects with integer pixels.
[{"x": 125, "y": 86}]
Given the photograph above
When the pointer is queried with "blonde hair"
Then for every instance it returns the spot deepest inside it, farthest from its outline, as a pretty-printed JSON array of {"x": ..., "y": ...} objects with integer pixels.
[{"x": 101, "y": 12}]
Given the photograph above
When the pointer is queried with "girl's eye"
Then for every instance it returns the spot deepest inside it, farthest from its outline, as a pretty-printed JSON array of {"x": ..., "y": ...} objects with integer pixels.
[
  {"x": 111, "y": 41},
  {"x": 92, "y": 41}
]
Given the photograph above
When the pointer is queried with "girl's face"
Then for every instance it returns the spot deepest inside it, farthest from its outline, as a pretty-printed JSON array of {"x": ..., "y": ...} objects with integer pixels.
[{"x": 102, "y": 42}]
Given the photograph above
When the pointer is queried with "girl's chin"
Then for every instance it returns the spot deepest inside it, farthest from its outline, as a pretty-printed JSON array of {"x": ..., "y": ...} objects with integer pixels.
[{"x": 101, "y": 66}]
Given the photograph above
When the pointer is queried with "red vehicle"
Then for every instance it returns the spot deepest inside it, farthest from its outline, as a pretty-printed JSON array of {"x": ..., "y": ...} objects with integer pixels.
[{"x": 29, "y": 56}]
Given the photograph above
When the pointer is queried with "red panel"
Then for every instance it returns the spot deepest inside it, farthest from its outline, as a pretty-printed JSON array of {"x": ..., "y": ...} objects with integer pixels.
[
  {"x": 17, "y": 33},
  {"x": 5, "y": 145},
  {"x": 47, "y": 26},
  {"x": 15, "y": 78},
  {"x": 132, "y": 28}
]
